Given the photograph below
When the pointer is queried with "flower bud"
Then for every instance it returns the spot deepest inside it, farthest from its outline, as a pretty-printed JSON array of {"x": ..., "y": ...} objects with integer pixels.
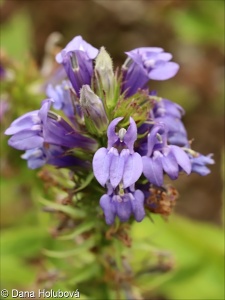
[
  {"x": 93, "y": 109},
  {"x": 104, "y": 72}
]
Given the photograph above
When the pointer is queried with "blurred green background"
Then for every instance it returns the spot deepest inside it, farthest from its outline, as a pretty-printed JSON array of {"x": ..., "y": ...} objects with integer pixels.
[{"x": 194, "y": 32}]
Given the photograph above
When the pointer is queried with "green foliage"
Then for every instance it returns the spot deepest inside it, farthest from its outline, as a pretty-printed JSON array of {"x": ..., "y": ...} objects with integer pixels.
[{"x": 197, "y": 249}]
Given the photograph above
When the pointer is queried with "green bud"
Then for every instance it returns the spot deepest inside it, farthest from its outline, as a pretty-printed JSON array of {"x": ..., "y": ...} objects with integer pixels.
[
  {"x": 93, "y": 109},
  {"x": 104, "y": 73}
]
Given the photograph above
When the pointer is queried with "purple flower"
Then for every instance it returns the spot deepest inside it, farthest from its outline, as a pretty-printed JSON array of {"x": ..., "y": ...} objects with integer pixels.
[
  {"x": 52, "y": 155},
  {"x": 166, "y": 107},
  {"x": 162, "y": 157},
  {"x": 34, "y": 128},
  {"x": 146, "y": 63},
  {"x": 118, "y": 163},
  {"x": 65, "y": 100},
  {"x": 77, "y": 43},
  {"x": 122, "y": 204},
  {"x": 62, "y": 96},
  {"x": 77, "y": 59},
  {"x": 199, "y": 162},
  {"x": 170, "y": 114},
  {"x": 135, "y": 77},
  {"x": 79, "y": 69}
]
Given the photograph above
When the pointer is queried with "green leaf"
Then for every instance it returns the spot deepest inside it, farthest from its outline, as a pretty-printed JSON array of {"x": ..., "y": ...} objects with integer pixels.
[
  {"x": 79, "y": 250},
  {"x": 67, "y": 209},
  {"x": 85, "y": 226},
  {"x": 85, "y": 183},
  {"x": 86, "y": 273}
]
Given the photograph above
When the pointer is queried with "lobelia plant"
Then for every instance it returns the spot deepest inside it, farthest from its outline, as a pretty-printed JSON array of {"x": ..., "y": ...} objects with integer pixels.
[{"x": 117, "y": 138}]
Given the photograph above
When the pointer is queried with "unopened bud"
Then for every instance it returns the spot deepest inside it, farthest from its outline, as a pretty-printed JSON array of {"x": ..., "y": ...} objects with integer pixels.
[
  {"x": 93, "y": 108},
  {"x": 104, "y": 72}
]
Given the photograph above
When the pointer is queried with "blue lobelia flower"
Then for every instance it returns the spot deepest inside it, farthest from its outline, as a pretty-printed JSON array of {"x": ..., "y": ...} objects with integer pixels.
[
  {"x": 52, "y": 155},
  {"x": 65, "y": 99},
  {"x": 170, "y": 113},
  {"x": 62, "y": 96},
  {"x": 32, "y": 129},
  {"x": 163, "y": 158},
  {"x": 39, "y": 130},
  {"x": 146, "y": 63},
  {"x": 122, "y": 203},
  {"x": 118, "y": 163},
  {"x": 77, "y": 59},
  {"x": 77, "y": 43}
]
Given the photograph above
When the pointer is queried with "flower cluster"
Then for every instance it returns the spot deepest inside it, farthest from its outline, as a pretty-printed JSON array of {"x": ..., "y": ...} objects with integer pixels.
[{"x": 129, "y": 153}]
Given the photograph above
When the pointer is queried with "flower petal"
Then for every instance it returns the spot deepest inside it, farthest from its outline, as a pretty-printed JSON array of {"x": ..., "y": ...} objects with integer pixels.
[
  {"x": 108, "y": 208},
  {"x": 132, "y": 169},
  {"x": 45, "y": 106},
  {"x": 152, "y": 137},
  {"x": 178, "y": 139},
  {"x": 164, "y": 71},
  {"x": 164, "y": 56},
  {"x": 112, "y": 136},
  {"x": 79, "y": 69},
  {"x": 152, "y": 169},
  {"x": 131, "y": 135},
  {"x": 116, "y": 168},
  {"x": 101, "y": 164},
  {"x": 134, "y": 78},
  {"x": 138, "y": 205},
  {"x": 172, "y": 124},
  {"x": 181, "y": 158},
  {"x": 77, "y": 43},
  {"x": 123, "y": 208},
  {"x": 170, "y": 165},
  {"x": 24, "y": 122},
  {"x": 200, "y": 169},
  {"x": 26, "y": 140}
]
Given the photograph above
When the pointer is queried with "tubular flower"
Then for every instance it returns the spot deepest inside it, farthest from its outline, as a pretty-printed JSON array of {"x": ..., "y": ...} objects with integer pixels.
[
  {"x": 34, "y": 128},
  {"x": 38, "y": 129},
  {"x": 146, "y": 63},
  {"x": 122, "y": 204},
  {"x": 52, "y": 155},
  {"x": 118, "y": 163},
  {"x": 77, "y": 59},
  {"x": 162, "y": 157},
  {"x": 77, "y": 43},
  {"x": 62, "y": 96},
  {"x": 170, "y": 114}
]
